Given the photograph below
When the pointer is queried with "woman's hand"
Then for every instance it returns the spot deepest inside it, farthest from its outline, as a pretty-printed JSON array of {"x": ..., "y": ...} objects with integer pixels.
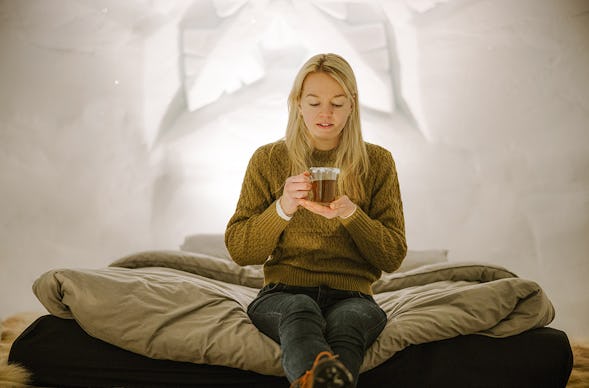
[
  {"x": 342, "y": 207},
  {"x": 296, "y": 189}
]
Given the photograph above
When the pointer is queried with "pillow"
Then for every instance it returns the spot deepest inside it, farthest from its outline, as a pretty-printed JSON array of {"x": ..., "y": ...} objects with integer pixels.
[
  {"x": 209, "y": 244},
  {"x": 206, "y": 255},
  {"x": 417, "y": 258},
  {"x": 214, "y": 245}
]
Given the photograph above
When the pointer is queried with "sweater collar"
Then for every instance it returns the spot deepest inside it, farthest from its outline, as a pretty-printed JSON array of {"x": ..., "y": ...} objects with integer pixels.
[{"x": 323, "y": 158}]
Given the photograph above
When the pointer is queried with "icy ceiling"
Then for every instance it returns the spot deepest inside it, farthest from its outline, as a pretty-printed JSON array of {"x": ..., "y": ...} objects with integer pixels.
[
  {"x": 230, "y": 45},
  {"x": 197, "y": 53}
]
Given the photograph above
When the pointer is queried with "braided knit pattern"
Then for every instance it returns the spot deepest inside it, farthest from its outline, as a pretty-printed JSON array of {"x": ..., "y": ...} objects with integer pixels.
[{"x": 310, "y": 250}]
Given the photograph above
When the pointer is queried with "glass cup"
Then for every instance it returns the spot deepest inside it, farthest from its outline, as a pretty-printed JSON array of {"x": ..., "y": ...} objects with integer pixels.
[{"x": 324, "y": 184}]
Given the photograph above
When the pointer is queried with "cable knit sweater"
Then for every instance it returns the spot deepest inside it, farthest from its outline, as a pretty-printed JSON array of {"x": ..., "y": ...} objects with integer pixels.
[{"x": 310, "y": 250}]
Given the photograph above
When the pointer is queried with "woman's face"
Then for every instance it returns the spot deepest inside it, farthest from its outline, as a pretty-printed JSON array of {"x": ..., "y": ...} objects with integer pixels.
[{"x": 325, "y": 109}]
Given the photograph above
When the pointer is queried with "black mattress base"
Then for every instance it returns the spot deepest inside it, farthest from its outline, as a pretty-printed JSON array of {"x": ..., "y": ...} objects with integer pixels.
[{"x": 60, "y": 354}]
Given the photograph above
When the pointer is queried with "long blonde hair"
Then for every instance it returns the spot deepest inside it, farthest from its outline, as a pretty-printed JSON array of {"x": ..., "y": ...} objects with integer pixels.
[{"x": 351, "y": 155}]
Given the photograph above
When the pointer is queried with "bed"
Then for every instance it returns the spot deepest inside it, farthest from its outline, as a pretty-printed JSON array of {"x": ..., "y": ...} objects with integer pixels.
[{"x": 177, "y": 318}]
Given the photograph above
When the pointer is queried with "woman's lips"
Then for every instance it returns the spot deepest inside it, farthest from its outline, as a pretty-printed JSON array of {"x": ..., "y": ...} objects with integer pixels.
[{"x": 324, "y": 125}]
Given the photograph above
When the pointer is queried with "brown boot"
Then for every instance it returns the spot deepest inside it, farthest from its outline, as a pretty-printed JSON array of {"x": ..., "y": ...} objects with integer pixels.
[{"x": 327, "y": 372}]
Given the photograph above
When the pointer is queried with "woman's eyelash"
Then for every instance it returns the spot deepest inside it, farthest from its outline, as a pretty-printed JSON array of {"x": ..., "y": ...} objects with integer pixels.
[{"x": 334, "y": 105}]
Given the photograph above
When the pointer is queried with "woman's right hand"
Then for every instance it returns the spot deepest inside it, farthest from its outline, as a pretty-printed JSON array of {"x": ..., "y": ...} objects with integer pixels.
[{"x": 295, "y": 188}]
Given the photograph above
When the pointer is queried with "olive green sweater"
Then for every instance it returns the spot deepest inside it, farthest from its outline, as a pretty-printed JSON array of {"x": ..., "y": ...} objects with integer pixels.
[{"x": 310, "y": 250}]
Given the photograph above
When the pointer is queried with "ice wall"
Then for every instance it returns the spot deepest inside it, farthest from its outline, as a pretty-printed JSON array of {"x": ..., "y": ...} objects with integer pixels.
[
  {"x": 505, "y": 85},
  {"x": 494, "y": 168},
  {"x": 76, "y": 171}
]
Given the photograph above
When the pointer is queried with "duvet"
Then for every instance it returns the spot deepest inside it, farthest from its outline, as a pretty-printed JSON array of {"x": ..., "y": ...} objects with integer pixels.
[{"x": 186, "y": 306}]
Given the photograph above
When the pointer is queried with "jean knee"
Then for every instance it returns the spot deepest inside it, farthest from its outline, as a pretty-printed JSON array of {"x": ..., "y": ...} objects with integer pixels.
[
  {"x": 302, "y": 311},
  {"x": 358, "y": 314},
  {"x": 302, "y": 304}
]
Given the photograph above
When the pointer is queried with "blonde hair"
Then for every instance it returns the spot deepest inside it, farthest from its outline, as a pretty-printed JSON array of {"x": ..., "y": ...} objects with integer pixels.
[{"x": 351, "y": 155}]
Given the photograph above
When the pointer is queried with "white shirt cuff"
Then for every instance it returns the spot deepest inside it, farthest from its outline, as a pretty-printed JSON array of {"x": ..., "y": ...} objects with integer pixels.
[
  {"x": 281, "y": 212},
  {"x": 351, "y": 214}
]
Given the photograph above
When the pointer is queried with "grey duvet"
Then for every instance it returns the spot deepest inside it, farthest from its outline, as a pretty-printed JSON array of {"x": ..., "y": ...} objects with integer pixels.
[{"x": 191, "y": 307}]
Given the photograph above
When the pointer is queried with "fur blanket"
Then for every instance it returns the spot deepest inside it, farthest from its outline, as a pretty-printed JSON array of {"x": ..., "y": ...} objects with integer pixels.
[{"x": 10, "y": 329}]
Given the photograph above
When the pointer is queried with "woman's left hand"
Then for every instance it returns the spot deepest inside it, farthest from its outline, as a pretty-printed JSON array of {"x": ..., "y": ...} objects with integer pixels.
[{"x": 342, "y": 207}]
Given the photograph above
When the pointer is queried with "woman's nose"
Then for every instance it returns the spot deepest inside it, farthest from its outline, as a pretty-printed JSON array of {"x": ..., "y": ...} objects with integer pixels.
[{"x": 326, "y": 111}]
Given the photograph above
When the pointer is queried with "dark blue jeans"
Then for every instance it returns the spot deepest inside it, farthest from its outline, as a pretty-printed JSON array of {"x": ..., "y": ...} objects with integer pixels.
[{"x": 308, "y": 320}]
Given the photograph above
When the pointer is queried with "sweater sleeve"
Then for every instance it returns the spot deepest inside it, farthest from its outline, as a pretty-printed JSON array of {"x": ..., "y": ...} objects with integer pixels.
[
  {"x": 253, "y": 231},
  {"x": 379, "y": 231}
]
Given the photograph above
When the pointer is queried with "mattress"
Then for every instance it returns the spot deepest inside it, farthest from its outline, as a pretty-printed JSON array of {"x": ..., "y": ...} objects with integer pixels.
[{"x": 60, "y": 353}]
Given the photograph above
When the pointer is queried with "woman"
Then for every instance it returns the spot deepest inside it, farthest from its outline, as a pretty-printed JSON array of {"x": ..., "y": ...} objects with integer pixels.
[{"x": 320, "y": 260}]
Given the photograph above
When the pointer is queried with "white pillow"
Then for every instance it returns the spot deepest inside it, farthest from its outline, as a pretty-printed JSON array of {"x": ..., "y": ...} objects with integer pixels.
[
  {"x": 214, "y": 245},
  {"x": 417, "y": 258},
  {"x": 209, "y": 244}
]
